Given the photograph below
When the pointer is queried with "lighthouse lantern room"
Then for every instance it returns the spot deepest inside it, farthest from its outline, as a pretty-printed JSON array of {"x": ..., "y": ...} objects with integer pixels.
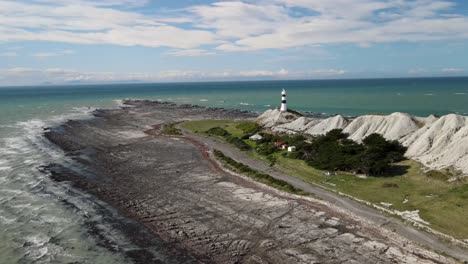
[{"x": 284, "y": 106}]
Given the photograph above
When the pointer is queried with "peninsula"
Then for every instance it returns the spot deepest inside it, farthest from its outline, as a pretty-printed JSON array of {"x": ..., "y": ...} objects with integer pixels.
[{"x": 183, "y": 187}]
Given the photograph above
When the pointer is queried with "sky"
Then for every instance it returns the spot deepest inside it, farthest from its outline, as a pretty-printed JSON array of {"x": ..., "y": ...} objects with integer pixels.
[{"x": 107, "y": 41}]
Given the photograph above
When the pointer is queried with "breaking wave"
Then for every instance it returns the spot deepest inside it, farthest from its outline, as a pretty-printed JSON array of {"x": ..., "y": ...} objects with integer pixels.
[{"x": 42, "y": 221}]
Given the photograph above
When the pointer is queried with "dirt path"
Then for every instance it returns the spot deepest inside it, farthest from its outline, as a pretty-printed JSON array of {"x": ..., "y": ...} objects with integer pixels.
[{"x": 421, "y": 237}]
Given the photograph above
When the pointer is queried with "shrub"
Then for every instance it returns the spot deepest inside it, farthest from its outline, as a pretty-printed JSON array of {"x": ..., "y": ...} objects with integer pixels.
[
  {"x": 272, "y": 159},
  {"x": 266, "y": 148},
  {"x": 239, "y": 143},
  {"x": 170, "y": 129},
  {"x": 248, "y": 127},
  {"x": 256, "y": 175},
  {"x": 217, "y": 131},
  {"x": 335, "y": 152}
]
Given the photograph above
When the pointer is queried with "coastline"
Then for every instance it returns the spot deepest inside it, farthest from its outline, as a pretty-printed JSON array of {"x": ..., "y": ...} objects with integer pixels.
[{"x": 259, "y": 216}]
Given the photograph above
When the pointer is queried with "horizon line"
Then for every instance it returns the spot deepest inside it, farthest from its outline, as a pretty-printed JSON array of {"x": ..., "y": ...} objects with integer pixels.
[{"x": 136, "y": 82}]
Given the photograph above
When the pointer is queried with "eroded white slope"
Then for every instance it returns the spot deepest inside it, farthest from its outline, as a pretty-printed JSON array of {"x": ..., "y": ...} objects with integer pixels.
[
  {"x": 325, "y": 125},
  {"x": 392, "y": 127},
  {"x": 442, "y": 143},
  {"x": 435, "y": 142},
  {"x": 299, "y": 125},
  {"x": 274, "y": 117}
]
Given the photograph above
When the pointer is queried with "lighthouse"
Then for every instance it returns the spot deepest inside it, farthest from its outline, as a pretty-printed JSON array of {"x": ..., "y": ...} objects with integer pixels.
[{"x": 284, "y": 106}]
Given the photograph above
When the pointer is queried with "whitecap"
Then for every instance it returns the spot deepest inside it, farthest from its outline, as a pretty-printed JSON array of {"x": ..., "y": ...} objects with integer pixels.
[
  {"x": 37, "y": 246},
  {"x": 203, "y": 100},
  {"x": 5, "y": 168},
  {"x": 7, "y": 220},
  {"x": 460, "y": 93},
  {"x": 242, "y": 103},
  {"x": 83, "y": 110},
  {"x": 428, "y": 94}
]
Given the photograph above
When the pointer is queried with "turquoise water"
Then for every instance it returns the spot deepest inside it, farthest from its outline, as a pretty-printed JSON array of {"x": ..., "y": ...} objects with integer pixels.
[
  {"x": 349, "y": 97},
  {"x": 45, "y": 222}
]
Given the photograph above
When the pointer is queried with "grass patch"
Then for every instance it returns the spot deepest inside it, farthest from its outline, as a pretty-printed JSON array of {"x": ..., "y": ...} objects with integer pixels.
[
  {"x": 256, "y": 175},
  {"x": 248, "y": 127},
  {"x": 444, "y": 204},
  {"x": 170, "y": 129},
  {"x": 202, "y": 126},
  {"x": 230, "y": 131},
  {"x": 439, "y": 202}
]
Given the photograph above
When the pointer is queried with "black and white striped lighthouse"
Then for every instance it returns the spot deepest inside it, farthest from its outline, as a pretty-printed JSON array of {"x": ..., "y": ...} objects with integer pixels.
[{"x": 284, "y": 106}]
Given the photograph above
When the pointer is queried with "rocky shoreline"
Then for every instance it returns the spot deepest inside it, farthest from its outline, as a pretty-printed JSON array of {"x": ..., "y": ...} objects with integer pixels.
[{"x": 196, "y": 213}]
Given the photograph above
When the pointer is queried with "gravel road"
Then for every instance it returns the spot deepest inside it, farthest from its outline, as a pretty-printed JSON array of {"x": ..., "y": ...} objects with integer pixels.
[{"x": 426, "y": 239}]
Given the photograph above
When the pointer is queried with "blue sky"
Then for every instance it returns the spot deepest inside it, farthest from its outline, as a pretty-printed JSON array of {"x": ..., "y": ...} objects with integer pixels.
[{"x": 84, "y": 41}]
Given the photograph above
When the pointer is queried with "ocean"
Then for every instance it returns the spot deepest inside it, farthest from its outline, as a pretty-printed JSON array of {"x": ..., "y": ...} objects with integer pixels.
[{"x": 42, "y": 221}]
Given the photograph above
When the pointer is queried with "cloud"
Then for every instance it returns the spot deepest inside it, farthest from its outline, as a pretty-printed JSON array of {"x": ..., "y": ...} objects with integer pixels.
[
  {"x": 233, "y": 26},
  {"x": 417, "y": 71},
  {"x": 28, "y": 76},
  {"x": 8, "y": 54},
  {"x": 280, "y": 73},
  {"x": 93, "y": 22},
  {"x": 327, "y": 72},
  {"x": 359, "y": 22},
  {"x": 53, "y": 54},
  {"x": 452, "y": 70},
  {"x": 190, "y": 53},
  {"x": 126, "y": 3},
  {"x": 238, "y": 19}
]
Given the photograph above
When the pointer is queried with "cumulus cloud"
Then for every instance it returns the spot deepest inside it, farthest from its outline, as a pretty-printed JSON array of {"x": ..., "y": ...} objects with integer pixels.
[
  {"x": 452, "y": 70},
  {"x": 190, "y": 53},
  {"x": 416, "y": 71},
  {"x": 279, "y": 73},
  {"x": 53, "y": 54},
  {"x": 92, "y": 22},
  {"x": 233, "y": 26},
  {"x": 8, "y": 54},
  {"x": 360, "y": 22},
  {"x": 328, "y": 72},
  {"x": 27, "y": 76}
]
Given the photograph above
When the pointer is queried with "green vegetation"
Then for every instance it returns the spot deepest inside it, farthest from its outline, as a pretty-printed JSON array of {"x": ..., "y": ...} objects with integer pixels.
[
  {"x": 202, "y": 126},
  {"x": 230, "y": 131},
  {"x": 335, "y": 152},
  {"x": 217, "y": 131},
  {"x": 170, "y": 129},
  {"x": 256, "y": 175},
  {"x": 239, "y": 143},
  {"x": 442, "y": 203},
  {"x": 248, "y": 128}
]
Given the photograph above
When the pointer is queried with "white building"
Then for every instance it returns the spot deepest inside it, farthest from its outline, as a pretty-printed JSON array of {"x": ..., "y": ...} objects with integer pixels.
[
  {"x": 256, "y": 137},
  {"x": 291, "y": 149}
]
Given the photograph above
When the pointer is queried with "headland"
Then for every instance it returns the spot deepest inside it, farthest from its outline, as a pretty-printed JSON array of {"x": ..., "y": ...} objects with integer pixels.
[{"x": 139, "y": 162}]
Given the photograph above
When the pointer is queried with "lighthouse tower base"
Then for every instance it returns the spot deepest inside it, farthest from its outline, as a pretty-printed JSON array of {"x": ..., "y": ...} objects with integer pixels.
[{"x": 284, "y": 108}]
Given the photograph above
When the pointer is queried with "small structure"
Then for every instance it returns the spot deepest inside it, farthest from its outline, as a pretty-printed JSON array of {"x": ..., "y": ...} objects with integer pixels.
[
  {"x": 281, "y": 145},
  {"x": 256, "y": 137},
  {"x": 291, "y": 149},
  {"x": 284, "y": 106}
]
